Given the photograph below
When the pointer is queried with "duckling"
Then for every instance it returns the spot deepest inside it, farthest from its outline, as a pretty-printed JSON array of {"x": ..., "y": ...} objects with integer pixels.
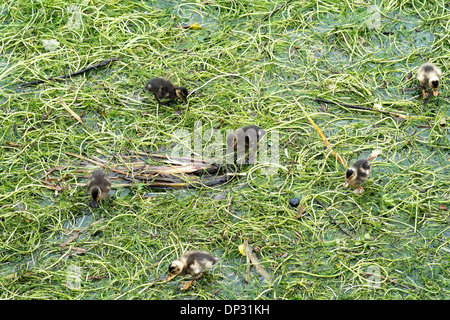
[
  {"x": 98, "y": 187},
  {"x": 243, "y": 135},
  {"x": 193, "y": 263},
  {"x": 164, "y": 89},
  {"x": 429, "y": 76},
  {"x": 357, "y": 174}
]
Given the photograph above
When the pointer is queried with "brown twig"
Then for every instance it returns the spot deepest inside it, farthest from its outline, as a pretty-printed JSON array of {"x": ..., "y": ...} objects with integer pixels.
[
  {"x": 12, "y": 144},
  {"x": 351, "y": 106},
  {"x": 27, "y": 129},
  {"x": 45, "y": 116},
  {"x": 331, "y": 217},
  {"x": 300, "y": 211},
  {"x": 49, "y": 185},
  {"x": 276, "y": 10},
  {"x": 95, "y": 66},
  {"x": 15, "y": 130}
]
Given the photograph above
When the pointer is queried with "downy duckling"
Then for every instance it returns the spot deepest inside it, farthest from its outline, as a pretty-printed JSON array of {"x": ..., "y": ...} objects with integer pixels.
[
  {"x": 429, "y": 76},
  {"x": 357, "y": 174},
  {"x": 98, "y": 187},
  {"x": 193, "y": 263},
  {"x": 164, "y": 89},
  {"x": 245, "y": 139},
  {"x": 245, "y": 135}
]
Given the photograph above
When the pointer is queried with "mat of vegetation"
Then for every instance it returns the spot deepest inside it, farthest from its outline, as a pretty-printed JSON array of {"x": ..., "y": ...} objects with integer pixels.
[{"x": 245, "y": 62}]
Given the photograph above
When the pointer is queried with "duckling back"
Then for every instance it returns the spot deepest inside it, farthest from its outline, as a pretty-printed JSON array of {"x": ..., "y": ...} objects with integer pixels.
[
  {"x": 243, "y": 143},
  {"x": 161, "y": 88},
  {"x": 248, "y": 136},
  {"x": 363, "y": 170},
  {"x": 197, "y": 262}
]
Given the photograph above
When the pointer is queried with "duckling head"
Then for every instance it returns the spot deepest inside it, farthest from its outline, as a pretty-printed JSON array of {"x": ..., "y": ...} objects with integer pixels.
[
  {"x": 434, "y": 85},
  {"x": 181, "y": 93},
  {"x": 350, "y": 175},
  {"x": 96, "y": 194},
  {"x": 176, "y": 267},
  {"x": 357, "y": 173}
]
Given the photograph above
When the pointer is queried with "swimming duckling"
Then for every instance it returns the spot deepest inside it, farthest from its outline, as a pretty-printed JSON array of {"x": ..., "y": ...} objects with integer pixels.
[
  {"x": 193, "y": 263},
  {"x": 357, "y": 174},
  {"x": 98, "y": 187},
  {"x": 164, "y": 89},
  {"x": 429, "y": 76}
]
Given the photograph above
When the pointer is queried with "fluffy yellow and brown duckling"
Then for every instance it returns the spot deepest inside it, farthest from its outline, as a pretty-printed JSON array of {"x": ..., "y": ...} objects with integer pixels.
[
  {"x": 429, "y": 76},
  {"x": 98, "y": 187},
  {"x": 192, "y": 263},
  {"x": 164, "y": 89},
  {"x": 357, "y": 174}
]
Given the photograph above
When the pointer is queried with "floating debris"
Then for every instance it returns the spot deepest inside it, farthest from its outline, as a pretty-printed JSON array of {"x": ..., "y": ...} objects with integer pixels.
[{"x": 158, "y": 171}]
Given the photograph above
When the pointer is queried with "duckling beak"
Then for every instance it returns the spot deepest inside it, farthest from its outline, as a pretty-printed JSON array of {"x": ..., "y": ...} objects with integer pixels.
[
  {"x": 435, "y": 92},
  {"x": 94, "y": 204},
  {"x": 346, "y": 183},
  {"x": 169, "y": 277}
]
